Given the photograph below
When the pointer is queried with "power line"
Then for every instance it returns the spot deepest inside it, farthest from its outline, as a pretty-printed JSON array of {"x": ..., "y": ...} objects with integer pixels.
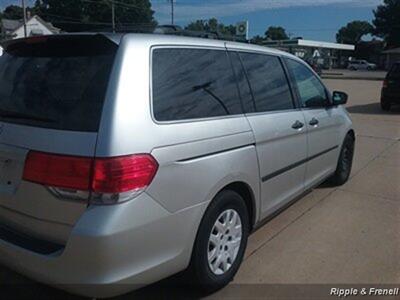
[
  {"x": 108, "y": 2},
  {"x": 113, "y": 3},
  {"x": 60, "y": 16},
  {"x": 172, "y": 11},
  {"x": 100, "y": 23},
  {"x": 66, "y": 19}
]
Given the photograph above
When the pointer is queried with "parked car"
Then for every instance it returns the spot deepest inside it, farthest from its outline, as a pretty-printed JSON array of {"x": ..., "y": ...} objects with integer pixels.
[
  {"x": 361, "y": 65},
  {"x": 390, "y": 93},
  {"x": 129, "y": 158}
]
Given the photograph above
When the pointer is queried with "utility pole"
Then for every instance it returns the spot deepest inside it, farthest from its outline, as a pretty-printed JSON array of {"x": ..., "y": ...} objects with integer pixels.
[
  {"x": 172, "y": 11},
  {"x": 24, "y": 13},
  {"x": 113, "y": 15}
]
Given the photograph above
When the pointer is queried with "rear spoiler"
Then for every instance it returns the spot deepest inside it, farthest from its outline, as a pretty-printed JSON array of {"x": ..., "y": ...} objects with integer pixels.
[{"x": 113, "y": 37}]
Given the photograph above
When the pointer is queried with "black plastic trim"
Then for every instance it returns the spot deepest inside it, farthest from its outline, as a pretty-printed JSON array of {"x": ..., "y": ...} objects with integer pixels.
[
  {"x": 296, "y": 164},
  {"x": 28, "y": 242}
]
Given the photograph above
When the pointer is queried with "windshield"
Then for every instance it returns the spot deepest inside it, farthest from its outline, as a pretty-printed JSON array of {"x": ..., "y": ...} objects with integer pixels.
[{"x": 53, "y": 85}]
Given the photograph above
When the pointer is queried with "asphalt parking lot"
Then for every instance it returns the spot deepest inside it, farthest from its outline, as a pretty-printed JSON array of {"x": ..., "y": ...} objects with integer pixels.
[{"x": 331, "y": 235}]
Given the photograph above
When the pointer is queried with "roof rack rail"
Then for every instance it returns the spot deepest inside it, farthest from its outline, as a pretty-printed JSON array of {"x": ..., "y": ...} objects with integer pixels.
[{"x": 177, "y": 30}]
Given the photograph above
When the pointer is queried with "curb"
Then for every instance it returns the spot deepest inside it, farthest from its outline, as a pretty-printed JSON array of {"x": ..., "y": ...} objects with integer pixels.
[{"x": 353, "y": 78}]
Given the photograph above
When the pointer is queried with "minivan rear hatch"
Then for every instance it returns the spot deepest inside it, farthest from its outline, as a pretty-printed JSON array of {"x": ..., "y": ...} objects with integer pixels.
[{"x": 52, "y": 90}]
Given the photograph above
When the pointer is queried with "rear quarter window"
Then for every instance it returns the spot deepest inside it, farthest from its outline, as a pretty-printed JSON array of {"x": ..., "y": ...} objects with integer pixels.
[
  {"x": 192, "y": 84},
  {"x": 57, "y": 83}
]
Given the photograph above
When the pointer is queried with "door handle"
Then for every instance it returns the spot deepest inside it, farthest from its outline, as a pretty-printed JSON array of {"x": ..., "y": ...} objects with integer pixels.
[
  {"x": 313, "y": 122},
  {"x": 297, "y": 125}
]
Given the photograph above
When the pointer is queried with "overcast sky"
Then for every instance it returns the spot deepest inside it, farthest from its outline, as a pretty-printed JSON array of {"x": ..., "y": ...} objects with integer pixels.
[{"x": 311, "y": 19}]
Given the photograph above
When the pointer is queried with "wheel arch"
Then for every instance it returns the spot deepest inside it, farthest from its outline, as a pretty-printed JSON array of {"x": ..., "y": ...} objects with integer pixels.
[
  {"x": 245, "y": 191},
  {"x": 352, "y": 134},
  {"x": 349, "y": 132}
]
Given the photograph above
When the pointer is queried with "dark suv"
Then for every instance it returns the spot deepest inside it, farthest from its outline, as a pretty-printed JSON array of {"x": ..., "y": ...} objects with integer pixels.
[{"x": 391, "y": 87}]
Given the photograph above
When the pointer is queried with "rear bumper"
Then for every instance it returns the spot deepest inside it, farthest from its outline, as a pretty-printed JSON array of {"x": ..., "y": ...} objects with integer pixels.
[{"x": 114, "y": 249}]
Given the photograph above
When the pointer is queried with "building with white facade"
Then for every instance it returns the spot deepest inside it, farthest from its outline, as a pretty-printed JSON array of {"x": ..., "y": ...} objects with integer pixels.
[
  {"x": 329, "y": 54},
  {"x": 13, "y": 29}
]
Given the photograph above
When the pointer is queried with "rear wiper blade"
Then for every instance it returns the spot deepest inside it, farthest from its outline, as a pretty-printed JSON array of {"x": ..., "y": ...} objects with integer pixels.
[{"x": 18, "y": 115}]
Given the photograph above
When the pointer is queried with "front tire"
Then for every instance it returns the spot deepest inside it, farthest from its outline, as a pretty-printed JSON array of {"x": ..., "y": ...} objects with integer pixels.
[
  {"x": 221, "y": 242},
  {"x": 345, "y": 162}
]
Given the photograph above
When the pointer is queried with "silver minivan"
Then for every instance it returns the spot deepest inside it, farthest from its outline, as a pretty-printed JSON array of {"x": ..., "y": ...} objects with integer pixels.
[{"x": 125, "y": 159}]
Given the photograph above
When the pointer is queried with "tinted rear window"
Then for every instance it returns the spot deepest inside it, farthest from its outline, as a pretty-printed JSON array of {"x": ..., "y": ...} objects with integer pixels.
[
  {"x": 193, "y": 83},
  {"x": 57, "y": 83}
]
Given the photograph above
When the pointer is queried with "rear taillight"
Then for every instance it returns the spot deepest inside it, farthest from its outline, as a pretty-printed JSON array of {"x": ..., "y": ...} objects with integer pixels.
[
  {"x": 385, "y": 84},
  {"x": 123, "y": 174},
  {"x": 107, "y": 180},
  {"x": 58, "y": 171}
]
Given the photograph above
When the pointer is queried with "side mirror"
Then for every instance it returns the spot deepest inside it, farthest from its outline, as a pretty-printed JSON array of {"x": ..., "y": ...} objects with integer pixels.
[{"x": 339, "y": 98}]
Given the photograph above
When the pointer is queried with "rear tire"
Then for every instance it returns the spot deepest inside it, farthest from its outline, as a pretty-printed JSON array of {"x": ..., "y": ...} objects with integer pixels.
[
  {"x": 385, "y": 105},
  {"x": 345, "y": 162},
  {"x": 215, "y": 242}
]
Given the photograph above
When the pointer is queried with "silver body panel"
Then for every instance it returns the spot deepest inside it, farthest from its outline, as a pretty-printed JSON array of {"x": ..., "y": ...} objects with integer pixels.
[
  {"x": 30, "y": 207},
  {"x": 327, "y": 135},
  {"x": 151, "y": 236},
  {"x": 279, "y": 146}
]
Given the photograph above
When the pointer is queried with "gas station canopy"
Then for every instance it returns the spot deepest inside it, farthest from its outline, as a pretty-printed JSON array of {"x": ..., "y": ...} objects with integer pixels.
[{"x": 308, "y": 43}]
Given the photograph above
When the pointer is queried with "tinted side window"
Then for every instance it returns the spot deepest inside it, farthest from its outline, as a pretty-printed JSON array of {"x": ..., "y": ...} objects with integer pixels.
[
  {"x": 245, "y": 93},
  {"x": 193, "y": 83},
  {"x": 310, "y": 90},
  {"x": 268, "y": 82}
]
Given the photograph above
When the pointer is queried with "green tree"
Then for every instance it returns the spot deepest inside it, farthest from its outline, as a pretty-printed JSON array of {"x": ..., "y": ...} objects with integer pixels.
[
  {"x": 79, "y": 15},
  {"x": 387, "y": 22},
  {"x": 276, "y": 33},
  {"x": 13, "y": 12},
  {"x": 353, "y": 32},
  {"x": 258, "y": 39},
  {"x": 211, "y": 25},
  {"x": 198, "y": 25}
]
